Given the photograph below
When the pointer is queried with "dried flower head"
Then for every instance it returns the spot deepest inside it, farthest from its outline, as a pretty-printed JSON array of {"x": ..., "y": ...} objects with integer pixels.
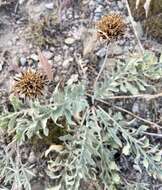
[
  {"x": 111, "y": 26},
  {"x": 30, "y": 84}
]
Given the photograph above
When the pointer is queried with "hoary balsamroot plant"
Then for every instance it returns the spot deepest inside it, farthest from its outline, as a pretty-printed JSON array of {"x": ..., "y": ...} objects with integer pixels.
[
  {"x": 110, "y": 26},
  {"x": 30, "y": 84}
]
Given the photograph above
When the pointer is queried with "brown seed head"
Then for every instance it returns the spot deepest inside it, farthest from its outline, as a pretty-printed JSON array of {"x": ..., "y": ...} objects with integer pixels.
[
  {"x": 111, "y": 26},
  {"x": 30, "y": 84}
]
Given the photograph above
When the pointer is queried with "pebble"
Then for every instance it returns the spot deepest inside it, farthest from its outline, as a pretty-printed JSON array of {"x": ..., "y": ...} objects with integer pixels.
[
  {"x": 23, "y": 61},
  {"x": 57, "y": 78},
  {"x": 120, "y": 5},
  {"x": 98, "y": 13},
  {"x": 50, "y": 62},
  {"x": 57, "y": 58},
  {"x": 121, "y": 42},
  {"x": 135, "y": 107},
  {"x": 92, "y": 5},
  {"x": 34, "y": 57},
  {"x": 67, "y": 62},
  {"x": 99, "y": 9},
  {"x": 65, "y": 47},
  {"x": 52, "y": 49},
  {"x": 32, "y": 158},
  {"x": 97, "y": 17},
  {"x": 48, "y": 54},
  {"x": 69, "y": 40},
  {"x": 1, "y": 67},
  {"x": 49, "y": 5},
  {"x": 73, "y": 78},
  {"x": 21, "y": 2},
  {"x": 99, "y": 1},
  {"x": 76, "y": 16},
  {"x": 101, "y": 52}
]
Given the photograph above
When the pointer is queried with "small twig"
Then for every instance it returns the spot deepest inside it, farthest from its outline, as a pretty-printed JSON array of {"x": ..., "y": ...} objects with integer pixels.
[
  {"x": 104, "y": 33},
  {"x": 84, "y": 117},
  {"x": 143, "y": 96},
  {"x": 153, "y": 134},
  {"x": 138, "y": 117},
  {"x": 94, "y": 116},
  {"x": 130, "y": 113},
  {"x": 16, "y": 7},
  {"x": 102, "y": 67},
  {"x": 134, "y": 29}
]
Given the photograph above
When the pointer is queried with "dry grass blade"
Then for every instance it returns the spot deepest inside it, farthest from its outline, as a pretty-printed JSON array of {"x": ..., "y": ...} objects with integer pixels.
[
  {"x": 147, "y": 6},
  {"x": 141, "y": 49},
  {"x": 137, "y": 3},
  {"x": 46, "y": 67}
]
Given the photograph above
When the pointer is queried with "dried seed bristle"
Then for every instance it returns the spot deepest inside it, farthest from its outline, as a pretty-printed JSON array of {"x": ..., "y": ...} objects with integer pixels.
[
  {"x": 111, "y": 26},
  {"x": 30, "y": 84}
]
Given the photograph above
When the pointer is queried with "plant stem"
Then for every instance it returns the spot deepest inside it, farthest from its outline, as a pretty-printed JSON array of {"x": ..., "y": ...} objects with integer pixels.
[{"x": 141, "y": 50}]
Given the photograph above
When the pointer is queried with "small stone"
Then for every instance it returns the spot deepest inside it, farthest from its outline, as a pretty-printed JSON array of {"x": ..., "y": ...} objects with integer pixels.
[
  {"x": 32, "y": 158},
  {"x": 135, "y": 107},
  {"x": 34, "y": 57},
  {"x": 92, "y": 5},
  {"x": 57, "y": 78},
  {"x": 121, "y": 42},
  {"x": 120, "y": 5},
  {"x": 99, "y": 9},
  {"x": 69, "y": 40},
  {"x": 73, "y": 79},
  {"x": 100, "y": 1},
  {"x": 52, "y": 49},
  {"x": 23, "y": 61},
  {"x": 1, "y": 67},
  {"x": 48, "y": 54},
  {"x": 67, "y": 62},
  {"x": 65, "y": 47},
  {"x": 101, "y": 52},
  {"x": 57, "y": 58},
  {"x": 21, "y": 2},
  {"x": 76, "y": 16},
  {"x": 49, "y": 5},
  {"x": 50, "y": 62},
  {"x": 97, "y": 17}
]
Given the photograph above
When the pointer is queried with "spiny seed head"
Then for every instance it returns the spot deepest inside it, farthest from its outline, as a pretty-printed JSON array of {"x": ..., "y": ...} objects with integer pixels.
[
  {"x": 30, "y": 84},
  {"x": 111, "y": 26}
]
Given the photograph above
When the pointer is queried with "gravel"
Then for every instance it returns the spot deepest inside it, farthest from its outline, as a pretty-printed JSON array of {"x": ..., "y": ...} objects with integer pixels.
[
  {"x": 34, "y": 57},
  {"x": 23, "y": 61},
  {"x": 48, "y": 54},
  {"x": 69, "y": 41},
  {"x": 49, "y": 5}
]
